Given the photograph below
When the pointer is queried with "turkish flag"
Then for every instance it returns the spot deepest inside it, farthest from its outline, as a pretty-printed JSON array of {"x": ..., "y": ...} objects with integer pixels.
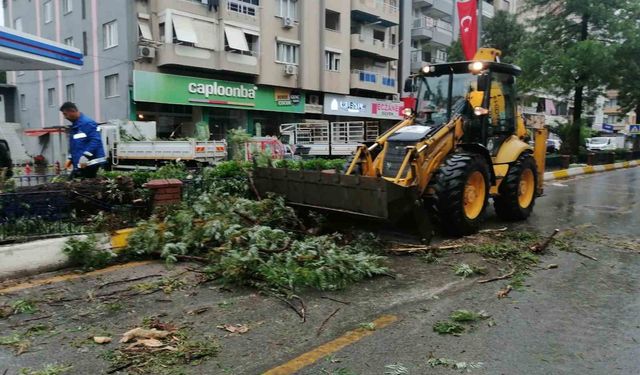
[{"x": 467, "y": 15}]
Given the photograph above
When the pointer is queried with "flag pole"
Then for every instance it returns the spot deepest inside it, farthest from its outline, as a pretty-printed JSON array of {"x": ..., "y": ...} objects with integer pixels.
[{"x": 479, "y": 7}]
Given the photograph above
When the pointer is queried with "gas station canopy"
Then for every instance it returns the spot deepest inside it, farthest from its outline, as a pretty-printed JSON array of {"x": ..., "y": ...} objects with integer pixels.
[{"x": 22, "y": 51}]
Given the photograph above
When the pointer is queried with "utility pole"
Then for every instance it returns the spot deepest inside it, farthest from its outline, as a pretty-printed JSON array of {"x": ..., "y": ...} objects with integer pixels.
[{"x": 479, "y": 7}]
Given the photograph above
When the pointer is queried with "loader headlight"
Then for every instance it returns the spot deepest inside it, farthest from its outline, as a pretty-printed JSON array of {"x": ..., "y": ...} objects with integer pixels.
[
  {"x": 479, "y": 111},
  {"x": 428, "y": 69},
  {"x": 407, "y": 112},
  {"x": 476, "y": 67}
]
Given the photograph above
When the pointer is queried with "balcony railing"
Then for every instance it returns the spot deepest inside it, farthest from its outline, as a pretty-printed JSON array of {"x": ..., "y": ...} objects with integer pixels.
[
  {"x": 242, "y": 8},
  {"x": 428, "y": 22},
  {"x": 374, "y": 78}
]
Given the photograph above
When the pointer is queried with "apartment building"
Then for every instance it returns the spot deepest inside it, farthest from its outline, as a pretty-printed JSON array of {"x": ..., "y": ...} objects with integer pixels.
[
  {"x": 608, "y": 116},
  {"x": 232, "y": 63},
  {"x": 429, "y": 27}
]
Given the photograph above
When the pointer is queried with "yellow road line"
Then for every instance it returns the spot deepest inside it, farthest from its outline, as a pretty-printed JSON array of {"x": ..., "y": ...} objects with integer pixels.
[
  {"x": 72, "y": 276},
  {"x": 324, "y": 350},
  {"x": 561, "y": 174}
]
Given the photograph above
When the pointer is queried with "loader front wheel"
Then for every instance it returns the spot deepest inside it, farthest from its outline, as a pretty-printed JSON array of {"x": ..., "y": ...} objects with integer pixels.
[
  {"x": 517, "y": 192},
  {"x": 461, "y": 192}
]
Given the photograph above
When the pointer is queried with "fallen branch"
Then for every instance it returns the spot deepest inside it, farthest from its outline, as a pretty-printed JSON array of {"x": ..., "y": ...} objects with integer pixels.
[
  {"x": 303, "y": 308},
  {"x": 253, "y": 187},
  {"x": 246, "y": 217},
  {"x": 321, "y": 328},
  {"x": 336, "y": 300},
  {"x": 586, "y": 255},
  {"x": 539, "y": 248},
  {"x": 192, "y": 258},
  {"x": 285, "y": 247},
  {"x": 504, "y": 229},
  {"x": 301, "y": 315},
  {"x": 127, "y": 280},
  {"x": 121, "y": 367},
  {"x": 503, "y": 277},
  {"x": 23, "y": 322}
]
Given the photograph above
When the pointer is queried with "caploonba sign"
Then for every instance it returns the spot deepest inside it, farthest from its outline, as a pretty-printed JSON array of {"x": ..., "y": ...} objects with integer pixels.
[{"x": 184, "y": 90}]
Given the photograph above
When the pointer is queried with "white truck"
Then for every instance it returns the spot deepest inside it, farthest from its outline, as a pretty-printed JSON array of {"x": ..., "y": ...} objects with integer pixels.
[
  {"x": 322, "y": 138},
  {"x": 132, "y": 145},
  {"x": 605, "y": 143}
]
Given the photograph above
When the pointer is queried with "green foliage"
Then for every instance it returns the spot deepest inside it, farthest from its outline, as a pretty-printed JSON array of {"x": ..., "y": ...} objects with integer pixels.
[
  {"x": 237, "y": 139},
  {"x": 367, "y": 326},
  {"x": 505, "y": 33},
  {"x": 86, "y": 253},
  {"x": 50, "y": 369},
  {"x": 450, "y": 363},
  {"x": 395, "y": 369},
  {"x": 465, "y": 270},
  {"x": 27, "y": 227},
  {"x": 317, "y": 164},
  {"x": 23, "y": 306},
  {"x": 467, "y": 316},
  {"x": 455, "y": 52},
  {"x": 444, "y": 327},
  {"x": 251, "y": 242}
]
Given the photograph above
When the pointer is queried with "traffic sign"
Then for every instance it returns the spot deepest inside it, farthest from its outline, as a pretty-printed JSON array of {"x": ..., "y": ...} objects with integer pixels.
[
  {"x": 634, "y": 129},
  {"x": 607, "y": 127}
]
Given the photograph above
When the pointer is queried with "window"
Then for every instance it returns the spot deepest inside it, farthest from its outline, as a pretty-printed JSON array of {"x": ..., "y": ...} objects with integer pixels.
[
  {"x": 332, "y": 61},
  {"x": 288, "y": 9},
  {"x": 17, "y": 24},
  {"x": 393, "y": 39},
  {"x": 379, "y": 35},
  {"x": 331, "y": 20},
  {"x": 85, "y": 43},
  {"x": 83, "y": 5},
  {"x": 111, "y": 86},
  {"x": 48, "y": 12},
  {"x": 69, "y": 41},
  {"x": 51, "y": 97},
  {"x": 287, "y": 53},
  {"x": 67, "y": 6},
  {"x": 441, "y": 55},
  {"x": 161, "y": 31},
  {"x": 254, "y": 43},
  {"x": 71, "y": 92},
  {"x": 613, "y": 102},
  {"x": 23, "y": 102},
  {"x": 110, "y": 34}
]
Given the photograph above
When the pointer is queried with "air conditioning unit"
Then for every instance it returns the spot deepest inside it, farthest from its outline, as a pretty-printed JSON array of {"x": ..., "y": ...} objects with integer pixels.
[
  {"x": 314, "y": 99},
  {"x": 290, "y": 70},
  {"x": 394, "y": 65},
  {"x": 146, "y": 52},
  {"x": 287, "y": 22}
]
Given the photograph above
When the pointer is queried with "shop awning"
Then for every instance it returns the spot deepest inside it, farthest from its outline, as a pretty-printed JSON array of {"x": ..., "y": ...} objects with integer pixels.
[
  {"x": 205, "y": 30},
  {"x": 145, "y": 29},
  {"x": 22, "y": 51},
  {"x": 185, "y": 32},
  {"x": 236, "y": 38}
]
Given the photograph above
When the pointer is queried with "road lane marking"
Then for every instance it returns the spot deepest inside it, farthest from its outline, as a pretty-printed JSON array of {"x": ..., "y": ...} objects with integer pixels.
[
  {"x": 67, "y": 277},
  {"x": 331, "y": 347}
]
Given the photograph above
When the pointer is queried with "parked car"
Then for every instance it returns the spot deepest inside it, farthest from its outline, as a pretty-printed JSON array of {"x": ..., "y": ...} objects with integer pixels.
[
  {"x": 604, "y": 143},
  {"x": 553, "y": 145}
]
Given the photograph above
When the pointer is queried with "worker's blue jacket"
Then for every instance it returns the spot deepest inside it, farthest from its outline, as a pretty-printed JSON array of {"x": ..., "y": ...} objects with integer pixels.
[{"x": 85, "y": 140}]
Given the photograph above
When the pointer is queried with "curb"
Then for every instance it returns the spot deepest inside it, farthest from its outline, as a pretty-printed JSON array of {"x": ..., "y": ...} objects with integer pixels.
[{"x": 566, "y": 173}]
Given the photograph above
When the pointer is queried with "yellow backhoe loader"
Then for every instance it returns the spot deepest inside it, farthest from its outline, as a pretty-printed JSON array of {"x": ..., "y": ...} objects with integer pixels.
[{"x": 463, "y": 143}]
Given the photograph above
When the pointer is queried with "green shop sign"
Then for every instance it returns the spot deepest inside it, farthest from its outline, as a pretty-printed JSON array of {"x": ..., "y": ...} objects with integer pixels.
[{"x": 183, "y": 90}]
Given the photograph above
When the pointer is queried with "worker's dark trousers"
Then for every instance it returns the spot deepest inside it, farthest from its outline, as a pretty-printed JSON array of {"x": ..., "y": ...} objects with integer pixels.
[{"x": 87, "y": 172}]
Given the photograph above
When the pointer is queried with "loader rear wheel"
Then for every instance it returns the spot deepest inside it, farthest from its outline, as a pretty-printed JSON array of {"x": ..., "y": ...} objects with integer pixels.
[
  {"x": 517, "y": 190},
  {"x": 461, "y": 192}
]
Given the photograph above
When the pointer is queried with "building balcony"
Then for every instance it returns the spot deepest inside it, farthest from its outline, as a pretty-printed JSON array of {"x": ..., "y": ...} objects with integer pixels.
[
  {"x": 437, "y": 8},
  {"x": 437, "y": 31},
  {"x": 176, "y": 55},
  {"x": 371, "y": 81},
  {"x": 487, "y": 10},
  {"x": 612, "y": 110},
  {"x": 385, "y": 12},
  {"x": 362, "y": 45}
]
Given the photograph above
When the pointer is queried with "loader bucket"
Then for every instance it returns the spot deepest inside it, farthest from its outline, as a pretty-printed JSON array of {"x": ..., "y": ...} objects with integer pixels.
[{"x": 370, "y": 197}]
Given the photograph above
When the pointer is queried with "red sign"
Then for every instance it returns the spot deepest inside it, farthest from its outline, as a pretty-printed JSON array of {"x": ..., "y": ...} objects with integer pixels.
[
  {"x": 467, "y": 15},
  {"x": 387, "y": 109}
]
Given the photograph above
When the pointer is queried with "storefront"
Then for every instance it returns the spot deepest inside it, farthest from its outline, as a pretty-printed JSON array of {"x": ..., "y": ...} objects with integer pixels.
[
  {"x": 354, "y": 108},
  {"x": 177, "y": 103}
]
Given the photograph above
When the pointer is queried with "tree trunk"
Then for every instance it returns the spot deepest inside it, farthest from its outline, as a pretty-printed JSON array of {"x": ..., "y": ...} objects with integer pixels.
[
  {"x": 636, "y": 137},
  {"x": 578, "y": 96}
]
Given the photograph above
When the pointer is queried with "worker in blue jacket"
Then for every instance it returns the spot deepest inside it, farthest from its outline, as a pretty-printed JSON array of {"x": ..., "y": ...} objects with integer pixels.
[{"x": 86, "y": 153}]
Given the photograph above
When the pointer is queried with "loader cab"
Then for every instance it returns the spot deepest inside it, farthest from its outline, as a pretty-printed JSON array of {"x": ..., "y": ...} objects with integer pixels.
[{"x": 481, "y": 92}]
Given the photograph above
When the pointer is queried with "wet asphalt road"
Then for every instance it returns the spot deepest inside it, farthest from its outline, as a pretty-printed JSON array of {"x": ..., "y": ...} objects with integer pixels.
[{"x": 580, "y": 318}]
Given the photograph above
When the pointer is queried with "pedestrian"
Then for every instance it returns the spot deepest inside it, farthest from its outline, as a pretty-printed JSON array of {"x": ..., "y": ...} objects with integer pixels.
[{"x": 86, "y": 153}]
